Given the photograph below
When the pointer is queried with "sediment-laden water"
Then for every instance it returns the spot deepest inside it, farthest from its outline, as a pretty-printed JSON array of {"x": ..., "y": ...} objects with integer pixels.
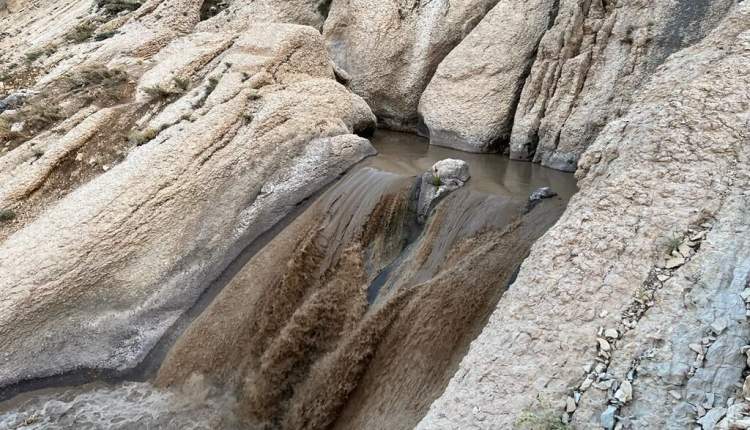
[{"x": 354, "y": 316}]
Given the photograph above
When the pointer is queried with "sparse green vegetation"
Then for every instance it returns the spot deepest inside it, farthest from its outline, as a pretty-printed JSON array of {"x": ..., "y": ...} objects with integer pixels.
[
  {"x": 39, "y": 53},
  {"x": 540, "y": 419},
  {"x": 436, "y": 181},
  {"x": 38, "y": 116},
  {"x": 182, "y": 84},
  {"x": 7, "y": 215},
  {"x": 37, "y": 152},
  {"x": 141, "y": 137},
  {"x": 104, "y": 35},
  {"x": 114, "y": 7},
  {"x": 673, "y": 243},
  {"x": 81, "y": 32},
  {"x": 95, "y": 76},
  {"x": 211, "y": 8},
  {"x": 159, "y": 93}
]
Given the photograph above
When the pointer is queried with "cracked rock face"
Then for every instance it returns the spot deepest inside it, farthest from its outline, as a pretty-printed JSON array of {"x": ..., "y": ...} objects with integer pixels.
[
  {"x": 679, "y": 157},
  {"x": 391, "y": 48},
  {"x": 470, "y": 101},
  {"x": 96, "y": 279},
  {"x": 588, "y": 65}
]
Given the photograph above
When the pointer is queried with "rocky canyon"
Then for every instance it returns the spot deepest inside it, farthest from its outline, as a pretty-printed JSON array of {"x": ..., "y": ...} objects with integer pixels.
[{"x": 358, "y": 214}]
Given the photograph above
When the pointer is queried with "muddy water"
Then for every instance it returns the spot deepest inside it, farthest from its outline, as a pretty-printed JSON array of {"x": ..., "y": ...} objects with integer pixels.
[
  {"x": 333, "y": 323},
  {"x": 408, "y": 154}
]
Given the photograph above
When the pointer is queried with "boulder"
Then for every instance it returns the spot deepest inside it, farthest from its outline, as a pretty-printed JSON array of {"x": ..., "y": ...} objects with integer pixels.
[
  {"x": 391, "y": 48},
  {"x": 451, "y": 169},
  {"x": 470, "y": 101},
  {"x": 445, "y": 176}
]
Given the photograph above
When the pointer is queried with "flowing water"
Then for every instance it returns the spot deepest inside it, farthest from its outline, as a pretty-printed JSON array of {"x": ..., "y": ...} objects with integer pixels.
[{"x": 355, "y": 315}]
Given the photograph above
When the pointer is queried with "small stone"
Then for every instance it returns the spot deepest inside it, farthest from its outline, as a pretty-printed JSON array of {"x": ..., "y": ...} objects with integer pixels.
[
  {"x": 696, "y": 347},
  {"x": 719, "y": 325},
  {"x": 542, "y": 193},
  {"x": 586, "y": 384},
  {"x": 662, "y": 277},
  {"x": 611, "y": 333},
  {"x": 745, "y": 294},
  {"x": 709, "y": 421},
  {"x": 676, "y": 394},
  {"x": 451, "y": 169},
  {"x": 17, "y": 127},
  {"x": 587, "y": 367},
  {"x": 105, "y": 167},
  {"x": 79, "y": 157},
  {"x": 685, "y": 250},
  {"x": 570, "y": 405},
  {"x": 604, "y": 385},
  {"x": 603, "y": 314},
  {"x": 603, "y": 345},
  {"x": 577, "y": 396},
  {"x": 709, "y": 402},
  {"x": 608, "y": 417},
  {"x": 674, "y": 262},
  {"x": 625, "y": 392},
  {"x": 700, "y": 410}
]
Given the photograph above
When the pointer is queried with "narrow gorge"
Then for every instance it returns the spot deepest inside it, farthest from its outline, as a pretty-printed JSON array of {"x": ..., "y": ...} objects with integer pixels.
[{"x": 347, "y": 214}]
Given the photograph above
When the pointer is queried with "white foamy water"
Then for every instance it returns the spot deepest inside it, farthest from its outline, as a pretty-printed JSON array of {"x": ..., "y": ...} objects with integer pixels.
[{"x": 130, "y": 405}]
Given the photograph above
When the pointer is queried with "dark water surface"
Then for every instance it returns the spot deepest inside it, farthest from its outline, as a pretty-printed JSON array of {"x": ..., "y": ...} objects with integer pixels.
[{"x": 408, "y": 154}]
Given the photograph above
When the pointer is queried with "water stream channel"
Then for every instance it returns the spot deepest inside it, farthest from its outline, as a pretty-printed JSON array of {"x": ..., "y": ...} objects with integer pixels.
[{"x": 352, "y": 314}]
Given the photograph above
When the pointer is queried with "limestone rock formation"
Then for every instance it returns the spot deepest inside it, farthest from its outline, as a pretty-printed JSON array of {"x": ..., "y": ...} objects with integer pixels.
[
  {"x": 231, "y": 133},
  {"x": 675, "y": 164},
  {"x": 470, "y": 102},
  {"x": 391, "y": 48},
  {"x": 589, "y": 64}
]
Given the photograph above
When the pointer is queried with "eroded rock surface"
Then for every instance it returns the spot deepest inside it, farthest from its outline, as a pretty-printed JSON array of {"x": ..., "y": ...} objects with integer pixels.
[
  {"x": 589, "y": 64},
  {"x": 391, "y": 48},
  {"x": 96, "y": 279},
  {"x": 678, "y": 160},
  {"x": 470, "y": 101}
]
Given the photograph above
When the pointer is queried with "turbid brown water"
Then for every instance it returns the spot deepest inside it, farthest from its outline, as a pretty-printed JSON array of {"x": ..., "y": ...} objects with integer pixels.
[
  {"x": 408, "y": 154},
  {"x": 353, "y": 316}
]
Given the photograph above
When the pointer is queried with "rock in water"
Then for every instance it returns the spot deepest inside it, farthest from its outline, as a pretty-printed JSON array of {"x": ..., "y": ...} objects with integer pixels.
[
  {"x": 470, "y": 102},
  {"x": 451, "y": 169},
  {"x": 541, "y": 194},
  {"x": 445, "y": 176},
  {"x": 391, "y": 48}
]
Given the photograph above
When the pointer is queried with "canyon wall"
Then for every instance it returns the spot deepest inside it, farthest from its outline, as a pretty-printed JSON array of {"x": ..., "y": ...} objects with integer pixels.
[{"x": 607, "y": 299}]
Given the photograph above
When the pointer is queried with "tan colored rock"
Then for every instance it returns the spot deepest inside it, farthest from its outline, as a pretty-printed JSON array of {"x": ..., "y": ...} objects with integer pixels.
[
  {"x": 391, "y": 48},
  {"x": 590, "y": 63},
  {"x": 99, "y": 277},
  {"x": 470, "y": 101},
  {"x": 607, "y": 243}
]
